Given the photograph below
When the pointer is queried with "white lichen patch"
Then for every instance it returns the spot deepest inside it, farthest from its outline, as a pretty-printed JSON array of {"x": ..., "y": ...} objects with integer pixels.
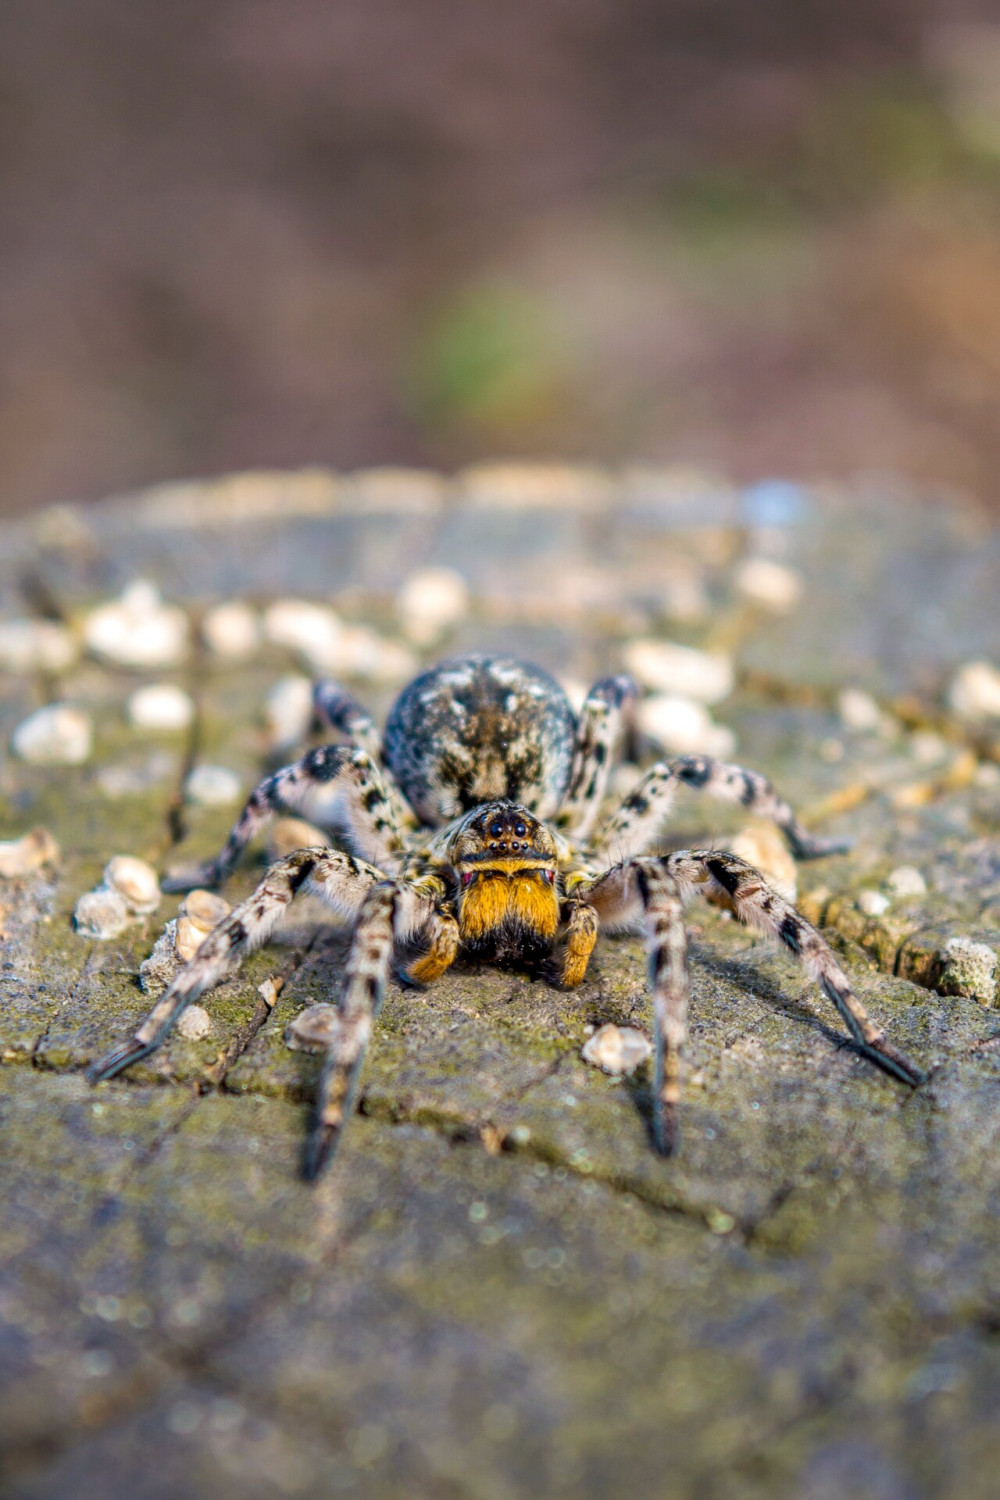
[
  {"x": 36, "y": 646},
  {"x": 135, "y": 881},
  {"x": 683, "y": 727},
  {"x": 873, "y": 903},
  {"x": 160, "y": 706},
  {"x": 195, "y": 1023},
  {"x": 231, "y": 630},
  {"x": 313, "y": 1029},
  {"x": 968, "y": 968},
  {"x": 768, "y": 584},
  {"x": 213, "y": 786},
  {"x": 974, "y": 691},
  {"x": 58, "y": 735},
  {"x": 138, "y": 629},
  {"x": 665, "y": 667},
  {"x": 617, "y": 1049},
  {"x": 430, "y": 602},
  {"x": 26, "y": 855}
]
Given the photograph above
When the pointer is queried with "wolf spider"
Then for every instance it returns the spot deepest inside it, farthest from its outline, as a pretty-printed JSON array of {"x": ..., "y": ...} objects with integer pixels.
[{"x": 473, "y": 825}]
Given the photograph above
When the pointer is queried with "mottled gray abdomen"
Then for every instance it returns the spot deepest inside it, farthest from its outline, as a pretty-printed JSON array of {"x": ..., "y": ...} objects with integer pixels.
[{"x": 479, "y": 727}]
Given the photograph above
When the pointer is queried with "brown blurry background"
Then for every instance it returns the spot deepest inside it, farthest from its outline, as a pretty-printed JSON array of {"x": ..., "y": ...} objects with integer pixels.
[{"x": 762, "y": 236}]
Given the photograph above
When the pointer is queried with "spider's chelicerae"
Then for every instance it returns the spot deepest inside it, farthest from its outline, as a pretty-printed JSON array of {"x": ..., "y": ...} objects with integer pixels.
[{"x": 473, "y": 822}]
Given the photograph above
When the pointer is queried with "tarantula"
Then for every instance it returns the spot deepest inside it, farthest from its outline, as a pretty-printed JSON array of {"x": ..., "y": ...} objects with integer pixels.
[{"x": 473, "y": 829}]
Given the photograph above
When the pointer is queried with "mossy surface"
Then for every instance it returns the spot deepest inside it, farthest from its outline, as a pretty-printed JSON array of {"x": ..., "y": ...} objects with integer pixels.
[{"x": 500, "y": 1291}]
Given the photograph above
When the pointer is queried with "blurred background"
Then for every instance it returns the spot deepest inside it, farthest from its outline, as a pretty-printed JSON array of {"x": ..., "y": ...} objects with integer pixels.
[{"x": 760, "y": 237}]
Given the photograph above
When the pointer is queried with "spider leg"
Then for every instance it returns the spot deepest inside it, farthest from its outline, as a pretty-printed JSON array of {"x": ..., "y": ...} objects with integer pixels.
[
  {"x": 653, "y": 888},
  {"x": 646, "y": 888},
  {"x": 754, "y": 902},
  {"x": 339, "y": 879},
  {"x": 636, "y": 821},
  {"x": 336, "y": 708},
  {"x": 328, "y": 784},
  {"x": 598, "y": 728},
  {"x": 390, "y": 912}
]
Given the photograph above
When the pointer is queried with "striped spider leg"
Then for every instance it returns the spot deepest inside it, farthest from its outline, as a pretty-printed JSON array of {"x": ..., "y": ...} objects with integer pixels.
[{"x": 653, "y": 890}]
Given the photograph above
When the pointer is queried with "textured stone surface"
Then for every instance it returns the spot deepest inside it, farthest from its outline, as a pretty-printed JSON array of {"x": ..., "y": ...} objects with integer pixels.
[{"x": 499, "y": 1291}]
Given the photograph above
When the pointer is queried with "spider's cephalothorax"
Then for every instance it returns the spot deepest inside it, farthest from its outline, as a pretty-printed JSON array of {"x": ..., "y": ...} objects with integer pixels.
[{"x": 473, "y": 827}]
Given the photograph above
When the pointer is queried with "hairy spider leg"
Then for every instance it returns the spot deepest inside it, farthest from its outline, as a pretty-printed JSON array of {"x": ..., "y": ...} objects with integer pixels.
[
  {"x": 342, "y": 881},
  {"x": 331, "y": 784},
  {"x": 598, "y": 728},
  {"x": 646, "y": 887},
  {"x": 335, "y": 708},
  {"x": 391, "y": 912},
  {"x": 635, "y": 823}
]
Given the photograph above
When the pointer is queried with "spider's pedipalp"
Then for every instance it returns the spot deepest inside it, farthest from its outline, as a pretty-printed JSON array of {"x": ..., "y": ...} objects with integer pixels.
[
  {"x": 329, "y": 785},
  {"x": 636, "y": 822},
  {"x": 340, "y": 879},
  {"x": 597, "y": 730}
]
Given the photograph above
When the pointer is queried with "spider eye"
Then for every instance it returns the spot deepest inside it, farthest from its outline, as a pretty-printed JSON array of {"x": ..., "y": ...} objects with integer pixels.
[
  {"x": 496, "y": 829},
  {"x": 520, "y": 830}
]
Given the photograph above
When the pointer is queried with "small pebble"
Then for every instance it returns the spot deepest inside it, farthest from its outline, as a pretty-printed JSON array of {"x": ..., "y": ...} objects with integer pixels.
[
  {"x": 231, "y": 630},
  {"x": 968, "y": 968},
  {"x": 362, "y": 652},
  {"x": 907, "y": 880},
  {"x": 138, "y": 629},
  {"x": 25, "y": 855},
  {"x": 859, "y": 711},
  {"x": 135, "y": 882},
  {"x": 101, "y": 914},
  {"x": 974, "y": 692},
  {"x": 36, "y": 646},
  {"x": 313, "y": 1029},
  {"x": 195, "y": 1023},
  {"x": 762, "y": 846},
  {"x": 771, "y": 585},
  {"x": 685, "y": 598},
  {"x": 288, "y": 711},
  {"x": 682, "y": 726},
  {"x": 873, "y": 903},
  {"x": 213, "y": 786},
  {"x": 669, "y": 668},
  {"x": 617, "y": 1049},
  {"x": 928, "y": 748},
  {"x": 430, "y": 602},
  {"x": 200, "y": 913},
  {"x": 160, "y": 706},
  {"x": 288, "y": 834},
  {"x": 58, "y": 735},
  {"x": 205, "y": 909},
  {"x": 270, "y": 990},
  {"x": 313, "y": 630},
  {"x": 130, "y": 780}
]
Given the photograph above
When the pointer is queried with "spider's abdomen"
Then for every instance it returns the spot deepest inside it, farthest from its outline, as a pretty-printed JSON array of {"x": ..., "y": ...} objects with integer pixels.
[{"x": 477, "y": 728}]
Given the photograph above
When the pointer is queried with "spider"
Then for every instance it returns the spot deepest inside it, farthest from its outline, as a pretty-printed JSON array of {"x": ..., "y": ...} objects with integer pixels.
[{"x": 473, "y": 825}]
